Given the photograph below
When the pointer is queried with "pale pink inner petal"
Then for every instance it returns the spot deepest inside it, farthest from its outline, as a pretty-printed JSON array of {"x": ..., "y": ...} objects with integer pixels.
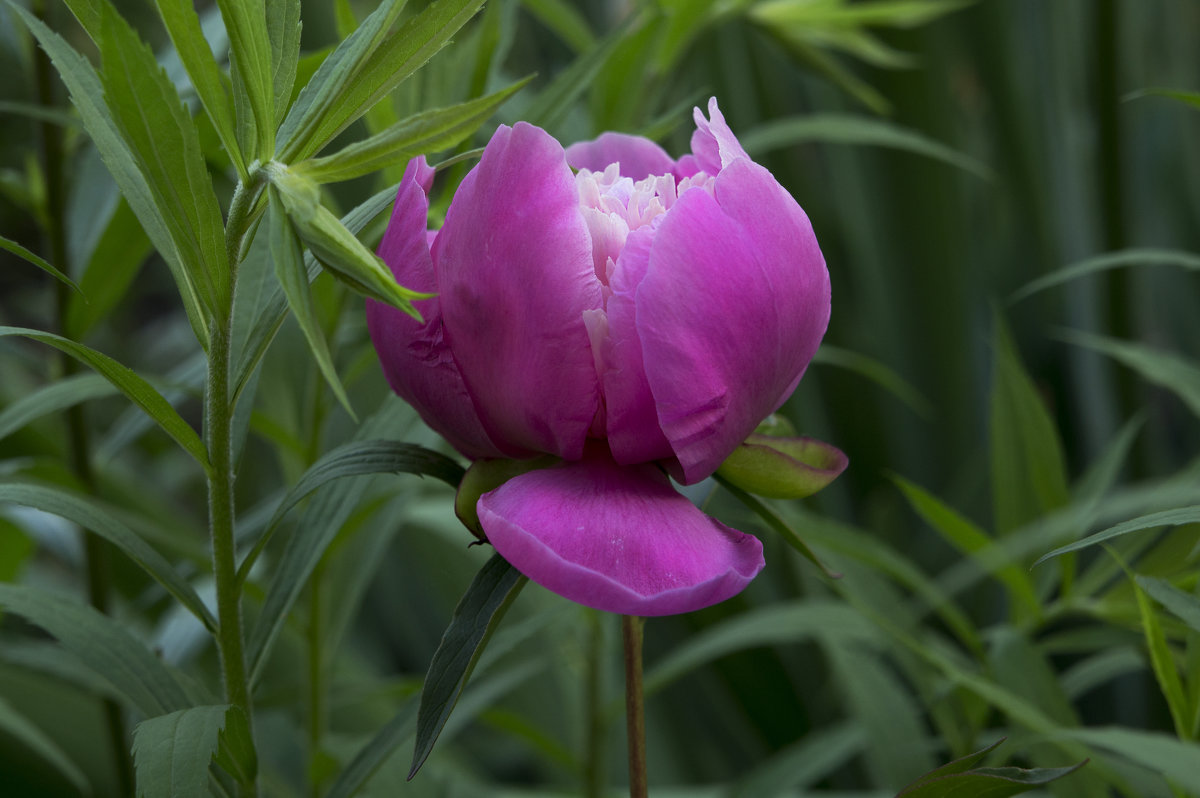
[{"x": 617, "y": 538}]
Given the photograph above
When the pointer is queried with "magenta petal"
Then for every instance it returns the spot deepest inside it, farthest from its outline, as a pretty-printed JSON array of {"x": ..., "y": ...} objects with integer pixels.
[
  {"x": 617, "y": 538},
  {"x": 415, "y": 358},
  {"x": 514, "y": 266},
  {"x": 639, "y": 157},
  {"x": 713, "y": 143},
  {"x": 730, "y": 312}
]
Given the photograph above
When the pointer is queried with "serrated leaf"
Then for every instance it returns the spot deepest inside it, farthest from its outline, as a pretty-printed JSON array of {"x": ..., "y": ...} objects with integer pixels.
[
  {"x": 288, "y": 259},
  {"x": 1179, "y": 515},
  {"x": 122, "y": 660},
  {"x": 337, "y": 249},
  {"x": 29, "y": 257},
  {"x": 1028, "y": 468},
  {"x": 1101, "y": 263},
  {"x": 361, "y": 71},
  {"x": 51, "y": 398},
  {"x": 252, "y": 71},
  {"x": 359, "y": 458},
  {"x": 91, "y": 515},
  {"x": 124, "y": 379},
  {"x": 1177, "y": 374},
  {"x": 429, "y": 131},
  {"x": 283, "y": 29},
  {"x": 171, "y": 753},
  {"x": 969, "y": 539},
  {"x": 834, "y": 128},
  {"x": 236, "y": 754},
  {"x": 15, "y": 725},
  {"x": 183, "y": 26},
  {"x": 475, "y": 618},
  {"x": 87, "y": 96}
]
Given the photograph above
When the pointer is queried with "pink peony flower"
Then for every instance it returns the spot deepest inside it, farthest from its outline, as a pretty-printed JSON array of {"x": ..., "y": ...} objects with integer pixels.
[{"x": 637, "y": 316}]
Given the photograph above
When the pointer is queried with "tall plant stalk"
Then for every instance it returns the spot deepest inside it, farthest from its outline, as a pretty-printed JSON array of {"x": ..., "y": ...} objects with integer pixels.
[{"x": 635, "y": 705}]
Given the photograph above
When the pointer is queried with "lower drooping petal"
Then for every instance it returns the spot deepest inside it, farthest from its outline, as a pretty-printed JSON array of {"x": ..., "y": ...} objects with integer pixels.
[
  {"x": 617, "y": 538},
  {"x": 515, "y": 271},
  {"x": 415, "y": 357}
]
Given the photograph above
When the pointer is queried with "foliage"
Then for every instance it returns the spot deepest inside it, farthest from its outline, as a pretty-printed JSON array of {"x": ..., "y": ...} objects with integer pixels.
[{"x": 189, "y": 204}]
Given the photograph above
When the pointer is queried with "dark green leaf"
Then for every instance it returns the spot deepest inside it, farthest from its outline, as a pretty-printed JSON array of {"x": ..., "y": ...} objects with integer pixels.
[
  {"x": 1161, "y": 660},
  {"x": 877, "y": 372},
  {"x": 1173, "y": 759},
  {"x": 1184, "y": 606},
  {"x": 49, "y": 399},
  {"x": 773, "y": 520},
  {"x": 88, "y": 97},
  {"x": 1028, "y": 470},
  {"x": 13, "y": 724},
  {"x": 373, "y": 754},
  {"x": 1180, "y": 515},
  {"x": 172, "y": 752},
  {"x": 475, "y": 619},
  {"x": 565, "y": 20},
  {"x": 1191, "y": 98},
  {"x": 552, "y": 103},
  {"x": 989, "y": 782},
  {"x": 138, "y": 676},
  {"x": 288, "y": 259},
  {"x": 140, "y": 392},
  {"x": 112, "y": 265},
  {"x": 834, "y": 128},
  {"x": 429, "y": 131},
  {"x": 29, "y": 257},
  {"x": 90, "y": 514},
  {"x": 1109, "y": 260},
  {"x": 359, "y": 458},
  {"x": 1177, "y": 374}
]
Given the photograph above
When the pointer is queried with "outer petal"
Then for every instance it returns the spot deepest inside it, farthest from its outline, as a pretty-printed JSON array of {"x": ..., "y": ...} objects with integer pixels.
[
  {"x": 514, "y": 266},
  {"x": 639, "y": 157},
  {"x": 617, "y": 538},
  {"x": 415, "y": 357},
  {"x": 713, "y": 143},
  {"x": 730, "y": 312}
]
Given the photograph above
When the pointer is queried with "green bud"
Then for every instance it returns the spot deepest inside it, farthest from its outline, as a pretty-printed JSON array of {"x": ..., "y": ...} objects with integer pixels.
[
  {"x": 783, "y": 468},
  {"x": 487, "y": 475}
]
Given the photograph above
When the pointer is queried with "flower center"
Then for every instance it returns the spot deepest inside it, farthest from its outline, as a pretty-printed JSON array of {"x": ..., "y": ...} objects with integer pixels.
[{"x": 614, "y": 206}]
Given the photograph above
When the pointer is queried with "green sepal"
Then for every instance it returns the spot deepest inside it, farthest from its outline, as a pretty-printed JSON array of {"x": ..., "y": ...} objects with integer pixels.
[
  {"x": 487, "y": 475},
  {"x": 783, "y": 468},
  {"x": 342, "y": 255}
]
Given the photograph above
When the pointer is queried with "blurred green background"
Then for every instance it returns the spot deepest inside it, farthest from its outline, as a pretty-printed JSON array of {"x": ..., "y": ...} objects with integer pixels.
[{"x": 948, "y": 154}]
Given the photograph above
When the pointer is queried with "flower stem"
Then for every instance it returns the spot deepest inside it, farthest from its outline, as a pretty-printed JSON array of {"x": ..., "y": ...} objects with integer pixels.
[
  {"x": 635, "y": 705},
  {"x": 219, "y": 433},
  {"x": 593, "y": 765}
]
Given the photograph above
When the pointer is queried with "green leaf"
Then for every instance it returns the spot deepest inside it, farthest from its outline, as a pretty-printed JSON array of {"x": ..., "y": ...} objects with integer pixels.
[
  {"x": 1165, "y": 671},
  {"x": 122, "y": 660},
  {"x": 51, "y": 398},
  {"x": 1028, "y": 468},
  {"x": 802, "y": 764},
  {"x": 429, "y": 131},
  {"x": 183, "y": 26},
  {"x": 26, "y": 255},
  {"x": 552, "y": 103},
  {"x": 111, "y": 266},
  {"x": 775, "y": 625},
  {"x": 1184, "y": 606},
  {"x": 124, "y": 379},
  {"x": 252, "y": 70},
  {"x": 834, "y": 128},
  {"x": 375, "y": 752},
  {"x": 40, "y": 113},
  {"x": 359, "y": 458},
  {"x": 567, "y": 22},
  {"x": 774, "y": 521},
  {"x": 87, "y": 96},
  {"x": 91, "y": 515},
  {"x": 1101, "y": 263},
  {"x": 989, "y": 782},
  {"x": 892, "y": 13},
  {"x": 283, "y": 29},
  {"x": 172, "y": 752},
  {"x": 475, "y": 619},
  {"x": 14, "y": 724},
  {"x": 1179, "y": 515},
  {"x": 1191, "y": 98},
  {"x": 970, "y": 539},
  {"x": 342, "y": 255},
  {"x": 268, "y": 315},
  {"x": 1176, "y": 374},
  {"x": 288, "y": 259},
  {"x": 1173, "y": 759},
  {"x": 878, "y": 373}
]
